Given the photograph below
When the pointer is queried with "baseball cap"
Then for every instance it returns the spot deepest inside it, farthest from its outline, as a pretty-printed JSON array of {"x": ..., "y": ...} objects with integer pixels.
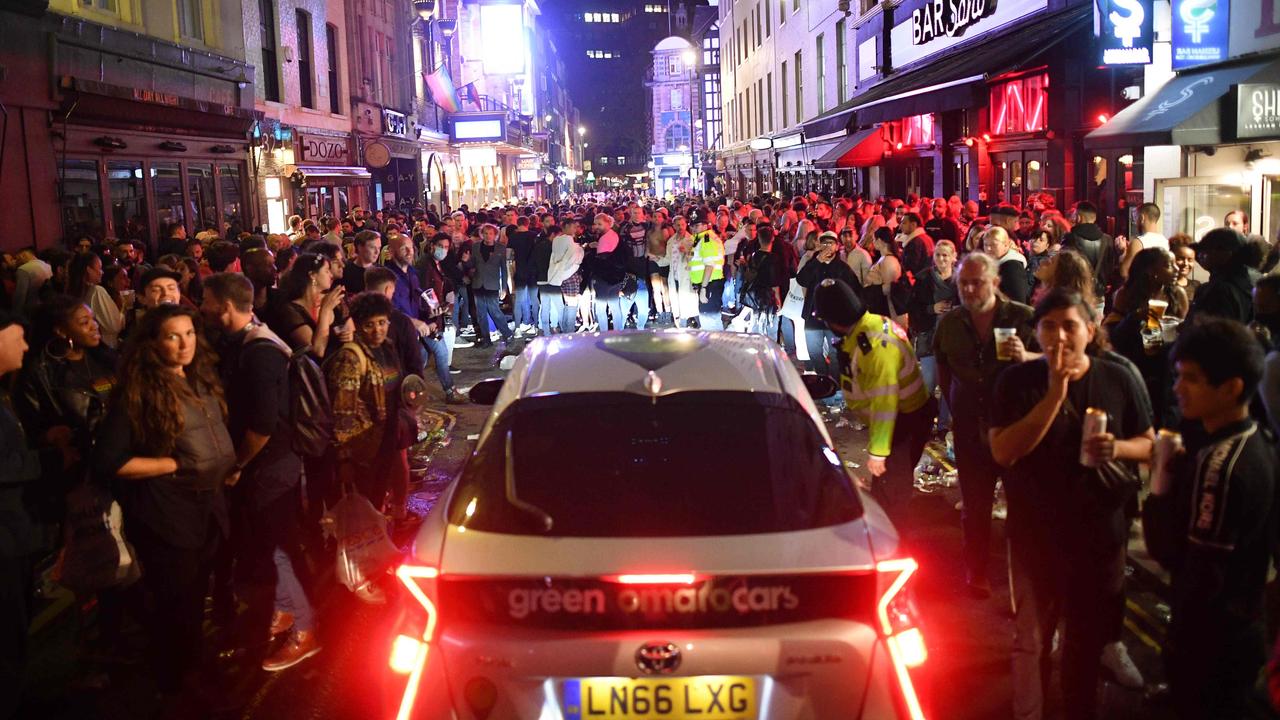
[
  {"x": 157, "y": 273},
  {"x": 835, "y": 302},
  {"x": 1220, "y": 239}
]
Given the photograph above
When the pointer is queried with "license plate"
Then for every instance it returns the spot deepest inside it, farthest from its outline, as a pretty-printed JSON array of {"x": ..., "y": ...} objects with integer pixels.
[{"x": 708, "y": 697}]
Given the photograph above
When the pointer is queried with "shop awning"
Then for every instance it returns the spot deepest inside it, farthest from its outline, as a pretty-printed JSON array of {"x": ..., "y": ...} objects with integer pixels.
[
  {"x": 1184, "y": 111},
  {"x": 958, "y": 81},
  {"x": 669, "y": 172},
  {"x": 331, "y": 172},
  {"x": 860, "y": 149}
]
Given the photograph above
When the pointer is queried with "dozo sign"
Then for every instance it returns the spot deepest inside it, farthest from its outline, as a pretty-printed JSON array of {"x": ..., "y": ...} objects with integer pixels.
[
  {"x": 1126, "y": 30},
  {"x": 1258, "y": 110},
  {"x": 937, "y": 25},
  {"x": 324, "y": 150},
  {"x": 1200, "y": 32}
]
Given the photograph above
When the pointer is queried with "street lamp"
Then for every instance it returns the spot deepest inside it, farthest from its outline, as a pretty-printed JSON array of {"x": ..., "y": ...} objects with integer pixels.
[
  {"x": 424, "y": 8},
  {"x": 582, "y": 130}
]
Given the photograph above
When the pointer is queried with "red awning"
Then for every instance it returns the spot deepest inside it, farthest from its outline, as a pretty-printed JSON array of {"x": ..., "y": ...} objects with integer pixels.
[{"x": 864, "y": 148}]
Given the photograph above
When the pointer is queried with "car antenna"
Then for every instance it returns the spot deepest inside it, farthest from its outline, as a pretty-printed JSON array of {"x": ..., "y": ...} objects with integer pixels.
[{"x": 547, "y": 521}]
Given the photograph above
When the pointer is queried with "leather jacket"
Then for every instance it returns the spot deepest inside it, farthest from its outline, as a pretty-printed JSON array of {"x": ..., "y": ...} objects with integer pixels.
[{"x": 53, "y": 391}]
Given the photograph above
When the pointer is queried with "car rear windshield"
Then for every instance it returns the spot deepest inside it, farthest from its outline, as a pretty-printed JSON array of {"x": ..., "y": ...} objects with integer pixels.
[{"x": 625, "y": 465}]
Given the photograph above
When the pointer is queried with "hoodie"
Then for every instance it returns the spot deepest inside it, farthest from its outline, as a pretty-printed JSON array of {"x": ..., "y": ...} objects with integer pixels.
[
  {"x": 1013, "y": 276},
  {"x": 1088, "y": 240},
  {"x": 1228, "y": 294}
]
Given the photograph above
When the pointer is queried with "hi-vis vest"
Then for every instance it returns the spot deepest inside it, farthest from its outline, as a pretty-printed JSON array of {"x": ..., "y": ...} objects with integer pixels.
[
  {"x": 708, "y": 252},
  {"x": 880, "y": 377}
]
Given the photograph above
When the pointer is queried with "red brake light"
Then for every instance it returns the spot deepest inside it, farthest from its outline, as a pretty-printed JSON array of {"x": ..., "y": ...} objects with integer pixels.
[
  {"x": 409, "y": 654},
  {"x": 902, "y": 636},
  {"x": 657, "y": 579}
]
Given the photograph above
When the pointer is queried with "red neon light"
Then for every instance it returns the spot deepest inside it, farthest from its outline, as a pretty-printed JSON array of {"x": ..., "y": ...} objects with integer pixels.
[
  {"x": 906, "y": 649},
  {"x": 1034, "y": 124},
  {"x": 409, "y": 575}
]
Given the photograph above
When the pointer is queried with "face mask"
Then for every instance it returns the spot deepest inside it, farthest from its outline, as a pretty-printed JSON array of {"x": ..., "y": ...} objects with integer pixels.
[{"x": 439, "y": 253}]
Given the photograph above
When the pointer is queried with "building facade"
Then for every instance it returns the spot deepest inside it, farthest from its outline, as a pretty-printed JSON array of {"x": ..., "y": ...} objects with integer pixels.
[
  {"x": 677, "y": 141},
  {"x": 134, "y": 118}
]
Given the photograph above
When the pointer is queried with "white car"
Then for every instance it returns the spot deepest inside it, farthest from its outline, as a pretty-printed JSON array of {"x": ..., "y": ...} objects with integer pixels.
[{"x": 655, "y": 525}]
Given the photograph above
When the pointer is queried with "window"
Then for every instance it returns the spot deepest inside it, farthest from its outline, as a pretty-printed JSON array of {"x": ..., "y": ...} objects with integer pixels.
[
  {"x": 603, "y": 54},
  {"x": 191, "y": 19},
  {"x": 747, "y": 112},
  {"x": 712, "y": 125},
  {"x": 760, "y": 106},
  {"x": 737, "y": 112},
  {"x": 869, "y": 5},
  {"x": 331, "y": 48},
  {"x": 654, "y": 9},
  {"x": 768, "y": 18},
  {"x": 622, "y": 160},
  {"x": 1020, "y": 106},
  {"x": 270, "y": 65},
  {"x": 795, "y": 6},
  {"x": 674, "y": 65},
  {"x": 759, "y": 36},
  {"x": 822, "y": 74},
  {"x": 782, "y": 12},
  {"x": 81, "y": 197},
  {"x": 785, "y": 99},
  {"x": 781, "y": 480},
  {"x": 677, "y": 138},
  {"x": 799, "y": 67},
  {"x": 842, "y": 66},
  {"x": 677, "y": 98},
  {"x": 711, "y": 51},
  {"x": 305, "y": 78},
  {"x": 604, "y": 161},
  {"x": 108, "y": 6},
  {"x": 769, "y": 94}
]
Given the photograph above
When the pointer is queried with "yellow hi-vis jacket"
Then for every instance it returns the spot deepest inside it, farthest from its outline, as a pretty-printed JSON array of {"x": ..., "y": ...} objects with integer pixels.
[
  {"x": 708, "y": 253},
  {"x": 880, "y": 377}
]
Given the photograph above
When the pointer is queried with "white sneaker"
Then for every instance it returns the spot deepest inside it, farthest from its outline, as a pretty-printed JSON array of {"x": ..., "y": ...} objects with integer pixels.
[
  {"x": 1116, "y": 661},
  {"x": 458, "y": 342}
]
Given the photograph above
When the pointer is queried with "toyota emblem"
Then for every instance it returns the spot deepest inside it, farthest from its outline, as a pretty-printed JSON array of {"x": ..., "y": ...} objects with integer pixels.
[{"x": 658, "y": 658}]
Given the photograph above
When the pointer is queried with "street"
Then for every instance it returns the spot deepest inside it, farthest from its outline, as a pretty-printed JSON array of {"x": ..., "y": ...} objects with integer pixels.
[{"x": 968, "y": 639}]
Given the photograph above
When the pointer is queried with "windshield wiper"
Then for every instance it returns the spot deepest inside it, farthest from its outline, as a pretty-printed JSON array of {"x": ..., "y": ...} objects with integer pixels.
[{"x": 547, "y": 521}]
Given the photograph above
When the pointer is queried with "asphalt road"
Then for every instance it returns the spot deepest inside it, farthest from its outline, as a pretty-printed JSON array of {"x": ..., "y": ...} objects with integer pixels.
[{"x": 968, "y": 639}]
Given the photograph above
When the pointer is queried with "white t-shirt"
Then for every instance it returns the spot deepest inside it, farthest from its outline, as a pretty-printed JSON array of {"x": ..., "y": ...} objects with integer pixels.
[{"x": 1154, "y": 239}]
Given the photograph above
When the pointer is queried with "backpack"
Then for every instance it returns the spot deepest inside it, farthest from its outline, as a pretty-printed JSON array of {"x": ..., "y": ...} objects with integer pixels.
[
  {"x": 749, "y": 295},
  {"x": 310, "y": 412}
]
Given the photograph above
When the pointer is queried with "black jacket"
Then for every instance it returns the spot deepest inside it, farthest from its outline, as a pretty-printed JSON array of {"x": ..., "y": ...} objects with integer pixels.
[
  {"x": 1228, "y": 294},
  {"x": 541, "y": 258},
  {"x": 1097, "y": 248},
  {"x": 928, "y": 291},
  {"x": 815, "y": 272}
]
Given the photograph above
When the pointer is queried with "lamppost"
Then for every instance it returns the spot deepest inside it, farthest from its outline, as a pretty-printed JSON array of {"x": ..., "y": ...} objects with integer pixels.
[{"x": 691, "y": 64}]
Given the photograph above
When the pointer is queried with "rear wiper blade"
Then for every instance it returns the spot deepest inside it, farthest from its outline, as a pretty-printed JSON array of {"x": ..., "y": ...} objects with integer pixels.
[{"x": 547, "y": 521}]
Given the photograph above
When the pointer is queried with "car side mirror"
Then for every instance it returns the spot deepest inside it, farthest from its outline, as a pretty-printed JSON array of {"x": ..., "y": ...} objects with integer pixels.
[
  {"x": 820, "y": 387},
  {"x": 486, "y": 392}
]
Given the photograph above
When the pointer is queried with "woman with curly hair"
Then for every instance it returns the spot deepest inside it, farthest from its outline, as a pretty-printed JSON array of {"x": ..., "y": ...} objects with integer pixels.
[
  {"x": 370, "y": 427},
  {"x": 165, "y": 443}
]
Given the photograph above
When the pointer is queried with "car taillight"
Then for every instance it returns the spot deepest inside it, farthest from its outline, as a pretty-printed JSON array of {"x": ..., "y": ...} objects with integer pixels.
[
  {"x": 409, "y": 650},
  {"x": 900, "y": 629}
]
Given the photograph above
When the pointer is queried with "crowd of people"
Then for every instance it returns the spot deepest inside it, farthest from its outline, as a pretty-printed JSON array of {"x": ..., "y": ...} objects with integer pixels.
[{"x": 1048, "y": 353}]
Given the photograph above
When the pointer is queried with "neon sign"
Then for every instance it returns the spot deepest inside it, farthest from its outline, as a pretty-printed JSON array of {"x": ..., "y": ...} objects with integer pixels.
[{"x": 1020, "y": 106}]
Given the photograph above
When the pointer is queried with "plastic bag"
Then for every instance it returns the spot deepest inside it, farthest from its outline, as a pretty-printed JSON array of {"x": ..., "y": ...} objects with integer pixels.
[
  {"x": 364, "y": 548},
  {"x": 95, "y": 555}
]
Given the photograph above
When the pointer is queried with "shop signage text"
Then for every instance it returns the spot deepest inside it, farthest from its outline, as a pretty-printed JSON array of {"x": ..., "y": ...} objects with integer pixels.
[
  {"x": 947, "y": 17},
  {"x": 326, "y": 150},
  {"x": 1255, "y": 26},
  {"x": 1127, "y": 29},
  {"x": 394, "y": 123},
  {"x": 1200, "y": 32},
  {"x": 1258, "y": 106},
  {"x": 478, "y": 128},
  {"x": 936, "y": 25}
]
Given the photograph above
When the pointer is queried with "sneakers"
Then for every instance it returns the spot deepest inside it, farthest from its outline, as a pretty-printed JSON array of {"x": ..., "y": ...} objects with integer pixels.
[
  {"x": 300, "y": 646},
  {"x": 453, "y": 397},
  {"x": 454, "y": 370},
  {"x": 467, "y": 330},
  {"x": 1118, "y": 664},
  {"x": 460, "y": 342},
  {"x": 280, "y": 622}
]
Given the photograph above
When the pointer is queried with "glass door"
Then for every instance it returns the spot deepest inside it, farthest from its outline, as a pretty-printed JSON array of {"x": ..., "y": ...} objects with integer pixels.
[{"x": 1197, "y": 205}]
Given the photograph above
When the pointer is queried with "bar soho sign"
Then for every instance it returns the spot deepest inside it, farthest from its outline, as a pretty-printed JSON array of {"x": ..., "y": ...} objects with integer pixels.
[
  {"x": 327, "y": 150},
  {"x": 1258, "y": 110},
  {"x": 949, "y": 18}
]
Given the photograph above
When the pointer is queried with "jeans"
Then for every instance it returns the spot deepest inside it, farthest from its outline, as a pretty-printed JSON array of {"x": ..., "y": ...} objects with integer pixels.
[
  {"x": 550, "y": 309},
  {"x": 488, "y": 309},
  {"x": 290, "y": 596},
  {"x": 1068, "y": 579},
  {"x": 438, "y": 350},
  {"x": 788, "y": 327},
  {"x": 729, "y": 298},
  {"x": 929, "y": 373},
  {"x": 526, "y": 305},
  {"x": 461, "y": 313},
  {"x": 641, "y": 303},
  {"x": 607, "y": 305},
  {"x": 765, "y": 323}
]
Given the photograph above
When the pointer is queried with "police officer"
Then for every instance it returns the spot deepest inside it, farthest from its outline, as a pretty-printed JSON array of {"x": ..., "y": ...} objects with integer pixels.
[
  {"x": 706, "y": 271},
  {"x": 881, "y": 379}
]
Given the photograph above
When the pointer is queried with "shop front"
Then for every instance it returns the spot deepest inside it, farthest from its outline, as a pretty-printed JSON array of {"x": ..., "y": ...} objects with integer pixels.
[
  {"x": 1221, "y": 125},
  {"x": 324, "y": 182},
  {"x": 133, "y": 163}
]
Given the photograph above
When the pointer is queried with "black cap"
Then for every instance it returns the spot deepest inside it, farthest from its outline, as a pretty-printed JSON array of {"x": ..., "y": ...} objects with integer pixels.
[
  {"x": 835, "y": 302},
  {"x": 1221, "y": 239},
  {"x": 156, "y": 273},
  {"x": 1005, "y": 209}
]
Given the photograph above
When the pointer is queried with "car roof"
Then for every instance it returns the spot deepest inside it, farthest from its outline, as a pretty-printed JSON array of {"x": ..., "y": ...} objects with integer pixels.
[{"x": 652, "y": 363}]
